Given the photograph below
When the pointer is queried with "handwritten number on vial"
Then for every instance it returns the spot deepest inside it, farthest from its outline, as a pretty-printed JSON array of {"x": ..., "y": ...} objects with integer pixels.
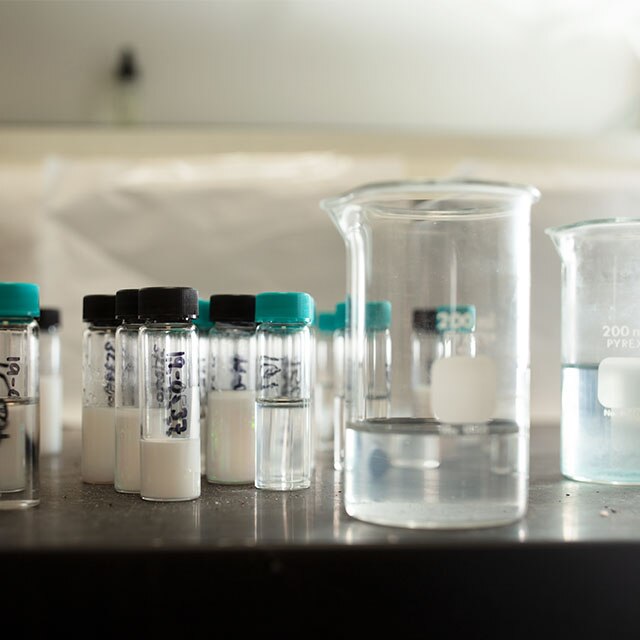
[
  {"x": 12, "y": 369},
  {"x": 177, "y": 420},
  {"x": 4, "y": 420}
]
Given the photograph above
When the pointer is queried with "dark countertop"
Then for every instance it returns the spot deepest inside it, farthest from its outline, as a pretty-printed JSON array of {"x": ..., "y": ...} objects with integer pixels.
[{"x": 573, "y": 560}]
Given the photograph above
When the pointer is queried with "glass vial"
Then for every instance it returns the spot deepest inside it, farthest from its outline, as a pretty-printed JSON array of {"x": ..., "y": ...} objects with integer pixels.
[
  {"x": 170, "y": 402},
  {"x": 378, "y": 359},
  {"x": 339, "y": 387},
  {"x": 19, "y": 397},
  {"x": 426, "y": 348},
  {"x": 283, "y": 397},
  {"x": 324, "y": 391},
  {"x": 98, "y": 455},
  {"x": 127, "y": 398},
  {"x": 51, "y": 387},
  {"x": 232, "y": 390},
  {"x": 456, "y": 326},
  {"x": 203, "y": 326}
]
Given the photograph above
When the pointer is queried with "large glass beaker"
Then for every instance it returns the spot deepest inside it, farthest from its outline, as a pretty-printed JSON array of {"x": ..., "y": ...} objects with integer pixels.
[
  {"x": 600, "y": 349},
  {"x": 450, "y": 261}
]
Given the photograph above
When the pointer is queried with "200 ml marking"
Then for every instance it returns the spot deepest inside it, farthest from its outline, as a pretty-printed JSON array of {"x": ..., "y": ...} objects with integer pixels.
[{"x": 620, "y": 336}]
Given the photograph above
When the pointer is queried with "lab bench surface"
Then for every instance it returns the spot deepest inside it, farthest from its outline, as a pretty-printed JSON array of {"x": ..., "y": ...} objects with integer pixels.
[{"x": 573, "y": 561}]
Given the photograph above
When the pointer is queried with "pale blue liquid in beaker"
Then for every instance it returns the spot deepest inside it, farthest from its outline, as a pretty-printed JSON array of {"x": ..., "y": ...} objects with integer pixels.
[{"x": 598, "y": 444}]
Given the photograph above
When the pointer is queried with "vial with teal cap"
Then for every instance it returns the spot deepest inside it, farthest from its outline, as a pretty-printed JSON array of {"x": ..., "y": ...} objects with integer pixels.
[
  {"x": 339, "y": 367},
  {"x": 283, "y": 396},
  {"x": 19, "y": 395},
  {"x": 323, "y": 385},
  {"x": 378, "y": 359},
  {"x": 203, "y": 325}
]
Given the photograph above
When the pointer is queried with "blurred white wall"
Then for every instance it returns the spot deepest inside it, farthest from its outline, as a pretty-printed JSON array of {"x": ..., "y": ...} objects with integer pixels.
[{"x": 495, "y": 66}]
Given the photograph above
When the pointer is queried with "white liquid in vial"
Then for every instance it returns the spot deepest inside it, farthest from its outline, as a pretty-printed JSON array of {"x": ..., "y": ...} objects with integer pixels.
[
  {"x": 21, "y": 421},
  {"x": 231, "y": 437},
  {"x": 50, "y": 414},
  {"x": 170, "y": 469},
  {"x": 127, "y": 469},
  {"x": 203, "y": 444},
  {"x": 98, "y": 445}
]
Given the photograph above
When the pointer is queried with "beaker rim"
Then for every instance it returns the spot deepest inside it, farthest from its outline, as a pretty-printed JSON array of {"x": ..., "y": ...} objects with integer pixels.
[
  {"x": 367, "y": 192},
  {"x": 591, "y": 223}
]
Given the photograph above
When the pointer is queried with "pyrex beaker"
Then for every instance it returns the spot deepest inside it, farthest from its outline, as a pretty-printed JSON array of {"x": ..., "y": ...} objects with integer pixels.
[
  {"x": 451, "y": 262},
  {"x": 600, "y": 349}
]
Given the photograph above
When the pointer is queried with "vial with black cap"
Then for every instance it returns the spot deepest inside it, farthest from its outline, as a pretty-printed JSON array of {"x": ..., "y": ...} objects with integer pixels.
[
  {"x": 98, "y": 389},
  {"x": 170, "y": 465},
  {"x": 19, "y": 395},
  {"x": 127, "y": 399},
  {"x": 203, "y": 325},
  {"x": 232, "y": 384},
  {"x": 51, "y": 383},
  {"x": 426, "y": 348}
]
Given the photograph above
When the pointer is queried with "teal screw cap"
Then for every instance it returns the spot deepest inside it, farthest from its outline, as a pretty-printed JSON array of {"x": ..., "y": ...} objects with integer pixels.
[
  {"x": 378, "y": 315},
  {"x": 326, "y": 321},
  {"x": 340, "y": 316},
  {"x": 19, "y": 300},
  {"x": 285, "y": 307},
  {"x": 203, "y": 321}
]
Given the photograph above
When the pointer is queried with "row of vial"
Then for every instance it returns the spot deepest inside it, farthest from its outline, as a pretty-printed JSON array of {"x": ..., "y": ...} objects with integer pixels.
[
  {"x": 175, "y": 387},
  {"x": 438, "y": 332}
]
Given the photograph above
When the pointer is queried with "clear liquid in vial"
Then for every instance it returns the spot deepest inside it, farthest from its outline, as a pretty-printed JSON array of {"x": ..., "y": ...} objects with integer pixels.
[
  {"x": 283, "y": 445},
  {"x": 19, "y": 450},
  {"x": 338, "y": 432}
]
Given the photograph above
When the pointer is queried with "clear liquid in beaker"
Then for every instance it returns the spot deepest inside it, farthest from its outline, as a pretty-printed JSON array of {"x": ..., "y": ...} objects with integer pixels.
[
  {"x": 480, "y": 478},
  {"x": 598, "y": 444}
]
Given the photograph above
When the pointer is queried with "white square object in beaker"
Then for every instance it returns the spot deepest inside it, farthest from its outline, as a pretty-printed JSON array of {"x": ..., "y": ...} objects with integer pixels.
[
  {"x": 619, "y": 383},
  {"x": 463, "y": 389}
]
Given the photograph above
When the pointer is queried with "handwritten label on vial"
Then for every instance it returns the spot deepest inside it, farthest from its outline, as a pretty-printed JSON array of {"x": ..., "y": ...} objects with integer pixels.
[
  {"x": 4, "y": 420},
  {"x": 281, "y": 373},
  {"x": 110, "y": 372},
  {"x": 238, "y": 367},
  {"x": 269, "y": 372},
  {"x": 212, "y": 371},
  {"x": 178, "y": 401},
  {"x": 157, "y": 368},
  {"x": 9, "y": 374}
]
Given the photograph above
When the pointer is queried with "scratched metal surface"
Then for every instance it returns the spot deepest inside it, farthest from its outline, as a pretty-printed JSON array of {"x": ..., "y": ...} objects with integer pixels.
[{"x": 77, "y": 516}]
